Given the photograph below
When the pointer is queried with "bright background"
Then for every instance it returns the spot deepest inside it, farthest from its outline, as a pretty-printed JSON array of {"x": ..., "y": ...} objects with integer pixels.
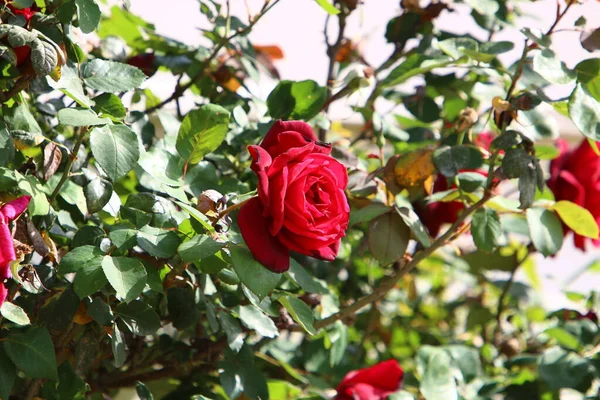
[{"x": 297, "y": 27}]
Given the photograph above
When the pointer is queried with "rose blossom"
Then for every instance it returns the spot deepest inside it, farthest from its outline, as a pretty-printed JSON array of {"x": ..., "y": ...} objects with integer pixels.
[
  {"x": 301, "y": 205},
  {"x": 8, "y": 212},
  {"x": 373, "y": 383},
  {"x": 575, "y": 176}
]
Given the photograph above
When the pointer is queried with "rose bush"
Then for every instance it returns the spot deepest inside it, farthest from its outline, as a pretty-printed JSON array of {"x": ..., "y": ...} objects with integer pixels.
[
  {"x": 301, "y": 205},
  {"x": 208, "y": 244}
]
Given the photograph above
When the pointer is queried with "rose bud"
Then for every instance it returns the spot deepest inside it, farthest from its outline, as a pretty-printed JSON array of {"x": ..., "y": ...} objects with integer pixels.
[
  {"x": 301, "y": 204},
  {"x": 575, "y": 176},
  {"x": 210, "y": 203},
  {"x": 373, "y": 383}
]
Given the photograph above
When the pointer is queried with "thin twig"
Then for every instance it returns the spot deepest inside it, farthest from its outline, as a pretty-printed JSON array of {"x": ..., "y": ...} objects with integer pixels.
[
  {"x": 72, "y": 157},
  {"x": 181, "y": 89},
  {"x": 332, "y": 52},
  {"x": 508, "y": 286},
  {"x": 405, "y": 267}
]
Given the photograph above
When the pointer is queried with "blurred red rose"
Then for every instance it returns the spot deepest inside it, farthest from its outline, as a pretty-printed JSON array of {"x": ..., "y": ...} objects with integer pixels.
[
  {"x": 575, "y": 176},
  {"x": 301, "y": 204},
  {"x": 145, "y": 62},
  {"x": 373, "y": 383}
]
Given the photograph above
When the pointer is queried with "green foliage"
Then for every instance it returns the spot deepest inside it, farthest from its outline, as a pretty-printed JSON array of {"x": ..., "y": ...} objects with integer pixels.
[{"x": 131, "y": 270}]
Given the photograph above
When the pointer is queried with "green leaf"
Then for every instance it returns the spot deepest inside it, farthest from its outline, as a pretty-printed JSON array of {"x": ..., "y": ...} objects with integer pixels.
[
  {"x": 368, "y": 213},
  {"x": 75, "y": 259},
  {"x": 300, "y": 312},
  {"x": 340, "y": 344},
  {"x": 8, "y": 374},
  {"x": 560, "y": 369},
  {"x": 139, "y": 317},
  {"x": 202, "y": 132},
  {"x": 563, "y": 337},
  {"x": 70, "y": 385},
  {"x": 143, "y": 392},
  {"x": 88, "y": 14},
  {"x": 111, "y": 76},
  {"x": 198, "y": 248},
  {"x": 241, "y": 378},
  {"x": 80, "y": 117},
  {"x": 39, "y": 204},
  {"x": 296, "y": 100},
  {"x": 14, "y": 313},
  {"x": 59, "y": 312},
  {"x": 515, "y": 162},
  {"x": 305, "y": 280},
  {"x": 545, "y": 230},
  {"x": 486, "y": 229},
  {"x": 584, "y": 110},
  {"x": 158, "y": 242},
  {"x": 115, "y": 148},
  {"x": 7, "y": 148},
  {"x": 438, "y": 381},
  {"x": 70, "y": 84},
  {"x": 126, "y": 275},
  {"x": 550, "y": 67},
  {"x": 485, "y": 7},
  {"x": 588, "y": 75},
  {"x": 100, "y": 312},
  {"x": 254, "y": 319},
  {"x": 328, "y": 7},
  {"x": 123, "y": 236},
  {"x": 32, "y": 352},
  {"x": 182, "y": 307},
  {"x": 97, "y": 194},
  {"x": 253, "y": 275},
  {"x": 580, "y": 220},
  {"x": 118, "y": 346},
  {"x": 527, "y": 185},
  {"x": 43, "y": 57},
  {"x": 454, "y": 47},
  {"x": 388, "y": 237},
  {"x": 415, "y": 64},
  {"x": 470, "y": 181},
  {"x": 411, "y": 219},
  {"x": 110, "y": 104},
  {"x": 451, "y": 160},
  {"x": 235, "y": 336}
]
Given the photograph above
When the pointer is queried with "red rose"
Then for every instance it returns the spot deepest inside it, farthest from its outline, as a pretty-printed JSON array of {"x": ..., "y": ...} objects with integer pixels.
[
  {"x": 301, "y": 205},
  {"x": 575, "y": 176},
  {"x": 145, "y": 62},
  {"x": 434, "y": 215},
  {"x": 374, "y": 383},
  {"x": 8, "y": 213}
]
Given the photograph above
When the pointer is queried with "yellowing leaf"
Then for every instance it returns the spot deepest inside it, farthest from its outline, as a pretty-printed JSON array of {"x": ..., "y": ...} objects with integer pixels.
[
  {"x": 580, "y": 220},
  {"x": 415, "y": 168}
]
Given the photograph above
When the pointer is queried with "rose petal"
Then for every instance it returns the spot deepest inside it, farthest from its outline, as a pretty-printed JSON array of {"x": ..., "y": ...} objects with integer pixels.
[
  {"x": 260, "y": 165},
  {"x": 385, "y": 376},
  {"x": 280, "y": 126},
  {"x": 7, "y": 251},
  {"x": 14, "y": 208},
  {"x": 3, "y": 293},
  {"x": 265, "y": 248}
]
